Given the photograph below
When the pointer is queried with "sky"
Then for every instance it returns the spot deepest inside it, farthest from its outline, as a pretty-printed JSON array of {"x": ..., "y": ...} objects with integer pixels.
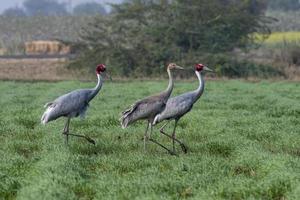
[{"x": 4, "y": 4}]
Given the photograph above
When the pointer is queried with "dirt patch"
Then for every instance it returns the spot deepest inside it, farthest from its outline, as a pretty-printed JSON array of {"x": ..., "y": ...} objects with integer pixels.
[{"x": 51, "y": 69}]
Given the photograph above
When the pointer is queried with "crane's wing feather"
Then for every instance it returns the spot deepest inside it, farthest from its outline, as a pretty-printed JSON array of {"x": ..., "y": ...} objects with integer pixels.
[
  {"x": 146, "y": 101},
  {"x": 176, "y": 107},
  {"x": 179, "y": 106},
  {"x": 71, "y": 104},
  {"x": 48, "y": 104},
  {"x": 142, "y": 109},
  {"x": 73, "y": 101}
]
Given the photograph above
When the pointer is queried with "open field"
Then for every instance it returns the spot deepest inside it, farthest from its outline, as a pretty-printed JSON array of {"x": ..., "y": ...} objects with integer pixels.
[
  {"x": 243, "y": 139},
  {"x": 35, "y": 69},
  {"x": 276, "y": 38}
]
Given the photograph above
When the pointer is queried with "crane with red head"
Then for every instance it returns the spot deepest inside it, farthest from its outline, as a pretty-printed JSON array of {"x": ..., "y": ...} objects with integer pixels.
[
  {"x": 178, "y": 106},
  {"x": 73, "y": 104}
]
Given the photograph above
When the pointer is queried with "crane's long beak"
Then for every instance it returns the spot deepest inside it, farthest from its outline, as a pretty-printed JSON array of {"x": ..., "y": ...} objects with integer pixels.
[
  {"x": 178, "y": 67},
  {"x": 208, "y": 69},
  {"x": 108, "y": 75}
]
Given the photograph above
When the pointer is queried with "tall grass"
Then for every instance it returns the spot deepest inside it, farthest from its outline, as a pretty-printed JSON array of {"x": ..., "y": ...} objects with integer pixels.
[{"x": 283, "y": 47}]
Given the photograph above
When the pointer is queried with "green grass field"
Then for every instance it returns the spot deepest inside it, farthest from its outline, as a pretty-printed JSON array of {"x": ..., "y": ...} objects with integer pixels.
[{"x": 243, "y": 139}]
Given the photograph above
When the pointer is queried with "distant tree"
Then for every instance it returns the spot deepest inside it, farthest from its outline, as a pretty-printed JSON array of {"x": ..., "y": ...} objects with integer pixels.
[
  {"x": 44, "y": 7},
  {"x": 14, "y": 12},
  {"x": 142, "y": 35},
  {"x": 90, "y": 8},
  {"x": 284, "y": 5}
]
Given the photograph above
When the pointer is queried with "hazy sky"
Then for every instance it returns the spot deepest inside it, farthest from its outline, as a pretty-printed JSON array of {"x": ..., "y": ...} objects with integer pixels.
[{"x": 4, "y": 4}]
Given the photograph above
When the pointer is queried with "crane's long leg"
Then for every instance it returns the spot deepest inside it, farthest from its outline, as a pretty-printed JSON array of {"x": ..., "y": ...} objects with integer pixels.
[
  {"x": 66, "y": 133},
  {"x": 154, "y": 141},
  {"x": 182, "y": 145},
  {"x": 145, "y": 136},
  {"x": 173, "y": 134},
  {"x": 66, "y": 130}
]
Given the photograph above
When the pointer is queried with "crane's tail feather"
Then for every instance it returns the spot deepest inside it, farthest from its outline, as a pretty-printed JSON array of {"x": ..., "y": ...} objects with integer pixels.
[
  {"x": 125, "y": 118},
  {"x": 156, "y": 120},
  {"x": 124, "y": 122},
  {"x": 46, "y": 117},
  {"x": 48, "y": 104}
]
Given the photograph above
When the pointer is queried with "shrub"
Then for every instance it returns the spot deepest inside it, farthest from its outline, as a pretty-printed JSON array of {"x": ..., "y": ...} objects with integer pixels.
[
  {"x": 290, "y": 53},
  {"x": 141, "y": 36},
  {"x": 234, "y": 68}
]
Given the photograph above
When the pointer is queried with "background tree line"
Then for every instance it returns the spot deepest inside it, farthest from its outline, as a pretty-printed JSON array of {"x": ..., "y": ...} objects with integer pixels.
[
  {"x": 285, "y": 5},
  {"x": 54, "y": 8},
  {"x": 140, "y": 36}
]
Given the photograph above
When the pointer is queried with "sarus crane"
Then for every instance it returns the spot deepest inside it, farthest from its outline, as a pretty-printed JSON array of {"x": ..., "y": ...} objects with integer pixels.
[
  {"x": 72, "y": 105},
  {"x": 178, "y": 106},
  {"x": 149, "y": 107}
]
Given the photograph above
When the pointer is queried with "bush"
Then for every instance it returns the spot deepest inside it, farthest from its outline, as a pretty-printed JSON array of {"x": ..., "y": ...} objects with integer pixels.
[
  {"x": 141, "y": 36},
  {"x": 290, "y": 53},
  {"x": 234, "y": 68}
]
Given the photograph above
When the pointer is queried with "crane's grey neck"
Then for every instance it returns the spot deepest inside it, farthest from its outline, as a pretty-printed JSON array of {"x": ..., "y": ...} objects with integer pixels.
[
  {"x": 96, "y": 89},
  {"x": 170, "y": 85},
  {"x": 199, "y": 91}
]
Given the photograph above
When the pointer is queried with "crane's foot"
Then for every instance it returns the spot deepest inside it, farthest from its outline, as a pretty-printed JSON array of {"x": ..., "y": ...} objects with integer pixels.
[
  {"x": 66, "y": 137},
  {"x": 168, "y": 150},
  {"x": 145, "y": 139},
  {"x": 66, "y": 140},
  {"x": 183, "y": 147},
  {"x": 172, "y": 153},
  {"x": 90, "y": 140}
]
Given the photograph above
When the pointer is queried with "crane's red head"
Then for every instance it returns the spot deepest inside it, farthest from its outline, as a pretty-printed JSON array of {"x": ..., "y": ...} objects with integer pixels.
[
  {"x": 199, "y": 67},
  {"x": 100, "y": 68}
]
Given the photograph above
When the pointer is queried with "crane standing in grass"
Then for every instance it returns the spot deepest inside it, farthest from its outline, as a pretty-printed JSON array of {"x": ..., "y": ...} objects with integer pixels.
[
  {"x": 180, "y": 105},
  {"x": 73, "y": 104},
  {"x": 149, "y": 107}
]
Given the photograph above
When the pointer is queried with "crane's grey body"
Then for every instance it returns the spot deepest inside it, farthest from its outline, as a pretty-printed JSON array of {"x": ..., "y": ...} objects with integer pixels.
[
  {"x": 149, "y": 107},
  {"x": 178, "y": 106},
  {"x": 71, "y": 105},
  {"x": 146, "y": 108}
]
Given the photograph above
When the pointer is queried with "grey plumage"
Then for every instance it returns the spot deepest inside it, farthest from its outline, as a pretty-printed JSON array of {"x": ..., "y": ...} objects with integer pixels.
[
  {"x": 146, "y": 108},
  {"x": 149, "y": 107},
  {"x": 178, "y": 106},
  {"x": 72, "y": 104}
]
